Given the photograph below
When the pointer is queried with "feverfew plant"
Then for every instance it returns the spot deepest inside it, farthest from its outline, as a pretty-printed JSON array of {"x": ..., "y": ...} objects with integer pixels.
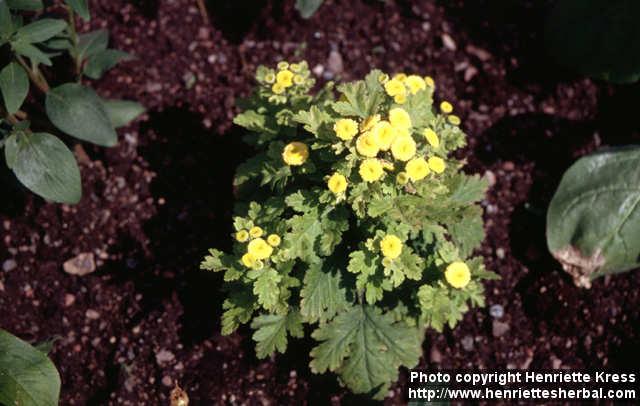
[
  {"x": 39, "y": 159},
  {"x": 354, "y": 219}
]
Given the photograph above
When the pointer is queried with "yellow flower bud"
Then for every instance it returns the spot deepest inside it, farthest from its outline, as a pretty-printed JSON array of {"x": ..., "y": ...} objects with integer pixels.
[
  {"x": 458, "y": 274},
  {"x": 446, "y": 107},
  {"x": 295, "y": 153},
  {"x": 432, "y": 137},
  {"x": 242, "y": 236},
  {"x": 437, "y": 164},
  {"x": 256, "y": 232},
  {"x": 274, "y": 240},
  {"x": 337, "y": 183}
]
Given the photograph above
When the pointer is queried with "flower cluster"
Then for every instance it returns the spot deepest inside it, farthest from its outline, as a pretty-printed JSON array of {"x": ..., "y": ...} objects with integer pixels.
[{"x": 373, "y": 224}]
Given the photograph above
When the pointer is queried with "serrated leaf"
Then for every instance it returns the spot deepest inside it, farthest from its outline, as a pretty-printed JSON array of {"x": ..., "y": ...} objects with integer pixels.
[
  {"x": 467, "y": 189},
  {"x": 102, "y": 61},
  {"x": 437, "y": 307},
  {"x": 45, "y": 166},
  {"x": 122, "y": 112},
  {"x": 468, "y": 231},
  {"x": 305, "y": 231},
  {"x": 271, "y": 332},
  {"x": 307, "y": 8},
  {"x": 321, "y": 295},
  {"x": 27, "y": 376},
  {"x": 366, "y": 348},
  {"x": 593, "y": 222},
  {"x": 78, "y": 111},
  {"x": 254, "y": 121},
  {"x": 313, "y": 119},
  {"x": 14, "y": 84},
  {"x": 26, "y": 5},
  {"x": 40, "y": 30},
  {"x": 266, "y": 288},
  {"x": 81, "y": 7},
  {"x": 361, "y": 262},
  {"x": 238, "y": 309},
  {"x": 359, "y": 101}
]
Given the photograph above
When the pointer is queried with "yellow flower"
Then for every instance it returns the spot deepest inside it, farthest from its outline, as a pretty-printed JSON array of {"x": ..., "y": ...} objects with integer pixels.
[
  {"x": 400, "y": 98},
  {"x": 391, "y": 246},
  {"x": 248, "y": 260},
  {"x": 298, "y": 80},
  {"x": 432, "y": 137},
  {"x": 403, "y": 148},
  {"x": 415, "y": 83},
  {"x": 453, "y": 119},
  {"x": 345, "y": 128},
  {"x": 295, "y": 153},
  {"x": 368, "y": 124},
  {"x": 388, "y": 166},
  {"x": 458, "y": 274},
  {"x": 274, "y": 240},
  {"x": 270, "y": 78},
  {"x": 256, "y": 232},
  {"x": 417, "y": 169},
  {"x": 242, "y": 236},
  {"x": 277, "y": 88},
  {"x": 398, "y": 117},
  {"x": 384, "y": 134},
  {"x": 446, "y": 107},
  {"x": 337, "y": 183},
  {"x": 394, "y": 87},
  {"x": 367, "y": 146},
  {"x": 400, "y": 76},
  {"x": 402, "y": 178},
  {"x": 371, "y": 170},
  {"x": 437, "y": 164},
  {"x": 285, "y": 78},
  {"x": 259, "y": 249},
  {"x": 429, "y": 81}
]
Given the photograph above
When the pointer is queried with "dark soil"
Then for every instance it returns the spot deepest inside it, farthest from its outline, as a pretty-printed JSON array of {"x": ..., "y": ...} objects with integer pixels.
[{"x": 147, "y": 318}]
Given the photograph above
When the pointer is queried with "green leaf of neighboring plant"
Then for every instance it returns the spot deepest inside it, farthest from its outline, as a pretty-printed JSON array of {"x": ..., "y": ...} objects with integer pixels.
[
  {"x": 31, "y": 52},
  {"x": 593, "y": 222},
  {"x": 79, "y": 111},
  {"x": 122, "y": 112},
  {"x": 307, "y": 8},
  {"x": 103, "y": 61},
  {"x": 41, "y": 30},
  {"x": 27, "y": 5},
  {"x": 6, "y": 23},
  {"x": 27, "y": 376},
  {"x": 92, "y": 43},
  {"x": 366, "y": 347},
  {"x": 45, "y": 166},
  {"x": 271, "y": 332},
  {"x": 14, "y": 84},
  {"x": 81, "y": 7},
  {"x": 321, "y": 295},
  {"x": 598, "y": 38}
]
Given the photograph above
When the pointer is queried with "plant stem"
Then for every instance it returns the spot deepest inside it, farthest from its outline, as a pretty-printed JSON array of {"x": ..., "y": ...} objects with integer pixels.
[
  {"x": 34, "y": 74},
  {"x": 203, "y": 11},
  {"x": 74, "y": 38},
  {"x": 10, "y": 117}
]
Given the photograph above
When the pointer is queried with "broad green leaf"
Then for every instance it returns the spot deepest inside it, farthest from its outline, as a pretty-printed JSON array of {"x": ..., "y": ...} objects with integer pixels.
[
  {"x": 45, "y": 166},
  {"x": 81, "y": 7},
  {"x": 92, "y": 43},
  {"x": 597, "y": 38},
  {"x": 366, "y": 347},
  {"x": 6, "y": 22},
  {"x": 593, "y": 222},
  {"x": 101, "y": 62},
  {"x": 122, "y": 112},
  {"x": 27, "y": 5},
  {"x": 40, "y": 30},
  {"x": 271, "y": 332},
  {"x": 307, "y": 8},
  {"x": 321, "y": 295},
  {"x": 31, "y": 52},
  {"x": 14, "y": 84},
  {"x": 78, "y": 111},
  {"x": 27, "y": 376}
]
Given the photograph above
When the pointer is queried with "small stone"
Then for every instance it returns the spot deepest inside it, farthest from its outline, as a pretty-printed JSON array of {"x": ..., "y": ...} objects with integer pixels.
[
  {"x": 478, "y": 53},
  {"x": 435, "y": 356},
  {"x": 508, "y": 166},
  {"x": 496, "y": 311},
  {"x": 80, "y": 265},
  {"x": 556, "y": 363},
  {"x": 167, "y": 381},
  {"x": 499, "y": 328},
  {"x": 9, "y": 265},
  {"x": 490, "y": 177},
  {"x": 448, "y": 42},
  {"x": 318, "y": 70},
  {"x": 92, "y": 314},
  {"x": 500, "y": 253},
  {"x": 69, "y": 299},
  {"x": 467, "y": 343},
  {"x": 164, "y": 356},
  {"x": 334, "y": 63}
]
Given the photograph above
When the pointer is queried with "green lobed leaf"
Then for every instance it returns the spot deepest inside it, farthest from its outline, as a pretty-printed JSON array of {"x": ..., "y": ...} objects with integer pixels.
[
  {"x": 101, "y": 62},
  {"x": 366, "y": 347},
  {"x": 321, "y": 295},
  {"x": 78, "y": 111},
  {"x": 27, "y": 376},
  {"x": 122, "y": 112},
  {"x": 14, "y": 85},
  {"x": 266, "y": 288},
  {"x": 45, "y": 166},
  {"x": 26, "y": 5},
  {"x": 271, "y": 332},
  {"x": 305, "y": 231},
  {"x": 81, "y": 7},
  {"x": 40, "y": 30},
  {"x": 593, "y": 221},
  {"x": 307, "y": 8}
]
